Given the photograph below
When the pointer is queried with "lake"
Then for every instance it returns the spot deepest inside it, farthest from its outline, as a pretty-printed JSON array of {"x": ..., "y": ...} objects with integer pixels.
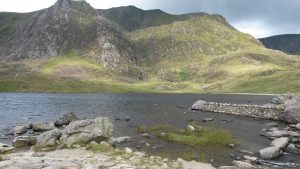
[{"x": 143, "y": 110}]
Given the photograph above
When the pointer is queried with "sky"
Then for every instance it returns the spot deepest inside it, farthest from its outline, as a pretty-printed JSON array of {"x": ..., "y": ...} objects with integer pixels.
[{"x": 260, "y": 18}]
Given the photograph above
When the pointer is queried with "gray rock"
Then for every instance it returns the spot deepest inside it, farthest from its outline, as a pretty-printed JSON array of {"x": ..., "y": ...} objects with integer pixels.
[
  {"x": 291, "y": 148},
  {"x": 52, "y": 167},
  {"x": 272, "y": 124},
  {"x": 24, "y": 141},
  {"x": 65, "y": 119},
  {"x": 270, "y": 153},
  {"x": 19, "y": 130},
  {"x": 120, "y": 140},
  {"x": 199, "y": 105},
  {"x": 42, "y": 126},
  {"x": 85, "y": 131},
  {"x": 48, "y": 139},
  {"x": 277, "y": 100},
  {"x": 280, "y": 142},
  {"x": 291, "y": 113},
  {"x": 145, "y": 135},
  {"x": 243, "y": 165},
  {"x": 228, "y": 167},
  {"x": 298, "y": 126},
  {"x": 4, "y": 148},
  {"x": 207, "y": 119}
]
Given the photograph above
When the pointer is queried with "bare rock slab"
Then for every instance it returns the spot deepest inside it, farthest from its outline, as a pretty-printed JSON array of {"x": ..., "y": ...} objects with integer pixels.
[
  {"x": 270, "y": 153},
  {"x": 24, "y": 141},
  {"x": 243, "y": 165},
  {"x": 280, "y": 142}
]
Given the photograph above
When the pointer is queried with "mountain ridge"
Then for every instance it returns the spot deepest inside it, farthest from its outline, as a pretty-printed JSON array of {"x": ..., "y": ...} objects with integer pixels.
[
  {"x": 288, "y": 43},
  {"x": 72, "y": 47}
]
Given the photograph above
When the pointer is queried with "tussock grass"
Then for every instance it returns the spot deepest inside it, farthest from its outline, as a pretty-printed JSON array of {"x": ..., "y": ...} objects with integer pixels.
[
  {"x": 97, "y": 148},
  {"x": 201, "y": 136}
]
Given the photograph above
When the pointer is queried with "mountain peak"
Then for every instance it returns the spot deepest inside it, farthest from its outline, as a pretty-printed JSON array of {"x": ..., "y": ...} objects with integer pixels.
[
  {"x": 72, "y": 4},
  {"x": 65, "y": 4}
]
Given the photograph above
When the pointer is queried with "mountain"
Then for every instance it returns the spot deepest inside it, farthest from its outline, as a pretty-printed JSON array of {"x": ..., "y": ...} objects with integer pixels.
[
  {"x": 288, "y": 43},
  {"x": 72, "y": 47}
]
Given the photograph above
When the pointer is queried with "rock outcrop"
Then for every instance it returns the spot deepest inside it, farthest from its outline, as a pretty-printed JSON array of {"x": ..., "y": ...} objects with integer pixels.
[{"x": 292, "y": 110}]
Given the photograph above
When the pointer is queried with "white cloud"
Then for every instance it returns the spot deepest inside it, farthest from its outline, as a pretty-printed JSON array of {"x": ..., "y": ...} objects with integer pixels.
[
  {"x": 24, "y": 5},
  {"x": 257, "y": 29}
]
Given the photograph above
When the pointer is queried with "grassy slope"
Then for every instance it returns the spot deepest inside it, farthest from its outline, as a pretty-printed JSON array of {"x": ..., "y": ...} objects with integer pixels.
[{"x": 193, "y": 56}]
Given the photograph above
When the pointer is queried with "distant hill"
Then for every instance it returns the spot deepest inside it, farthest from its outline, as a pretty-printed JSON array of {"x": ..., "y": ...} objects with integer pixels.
[
  {"x": 288, "y": 43},
  {"x": 72, "y": 47}
]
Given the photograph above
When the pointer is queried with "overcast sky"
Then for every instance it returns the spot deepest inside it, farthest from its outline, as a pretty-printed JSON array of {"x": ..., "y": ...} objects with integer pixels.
[{"x": 259, "y": 18}]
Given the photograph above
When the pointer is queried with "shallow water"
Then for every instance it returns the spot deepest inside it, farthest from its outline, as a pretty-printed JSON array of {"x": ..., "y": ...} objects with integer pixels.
[{"x": 143, "y": 110}]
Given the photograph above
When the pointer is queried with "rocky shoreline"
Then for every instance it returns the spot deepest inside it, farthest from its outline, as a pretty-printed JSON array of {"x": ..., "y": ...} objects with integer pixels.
[{"x": 67, "y": 144}]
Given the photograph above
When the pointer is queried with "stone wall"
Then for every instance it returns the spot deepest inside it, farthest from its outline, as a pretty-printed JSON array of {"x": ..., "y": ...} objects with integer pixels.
[{"x": 270, "y": 111}]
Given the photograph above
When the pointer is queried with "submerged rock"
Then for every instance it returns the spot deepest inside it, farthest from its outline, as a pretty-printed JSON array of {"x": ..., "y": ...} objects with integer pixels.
[
  {"x": 207, "y": 119},
  {"x": 65, "y": 119},
  {"x": 19, "y": 130},
  {"x": 85, "y": 131},
  {"x": 120, "y": 140},
  {"x": 43, "y": 126},
  {"x": 291, "y": 148},
  {"x": 270, "y": 153},
  {"x": 24, "y": 141},
  {"x": 199, "y": 105}
]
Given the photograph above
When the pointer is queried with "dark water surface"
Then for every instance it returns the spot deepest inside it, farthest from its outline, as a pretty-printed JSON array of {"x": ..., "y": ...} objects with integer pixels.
[{"x": 143, "y": 110}]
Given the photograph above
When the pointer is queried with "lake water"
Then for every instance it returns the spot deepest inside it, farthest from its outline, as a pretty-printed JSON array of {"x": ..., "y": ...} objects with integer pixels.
[{"x": 143, "y": 110}]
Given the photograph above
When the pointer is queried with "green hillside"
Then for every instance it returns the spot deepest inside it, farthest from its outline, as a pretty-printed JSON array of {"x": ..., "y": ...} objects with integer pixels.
[
  {"x": 153, "y": 52},
  {"x": 190, "y": 58}
]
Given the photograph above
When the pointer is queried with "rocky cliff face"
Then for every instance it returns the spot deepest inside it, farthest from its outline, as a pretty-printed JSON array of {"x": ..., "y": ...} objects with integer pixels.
[
  {"x": 71, "y": 25},
  {"x": 50, "y": 32}
]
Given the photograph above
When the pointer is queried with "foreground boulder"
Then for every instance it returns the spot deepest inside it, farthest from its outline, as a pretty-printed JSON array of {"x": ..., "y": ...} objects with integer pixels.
[
  {"x": 42, "y": 126},
  {"x": 85, "y": 131},
  {"x": 199, "y": 105},
  {"x": 19, "y": 130},
  {"x": 48, "y": 140},
  {"x": 24, "y": 141},
  {"x": 291, "y": 113},
  {"x": 65, "y": 119},
  {"x": 270, "y": 153}
]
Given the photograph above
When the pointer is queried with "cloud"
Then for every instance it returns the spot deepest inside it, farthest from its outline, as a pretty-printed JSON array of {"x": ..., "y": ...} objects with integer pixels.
[{"x": 259, "y": 18}]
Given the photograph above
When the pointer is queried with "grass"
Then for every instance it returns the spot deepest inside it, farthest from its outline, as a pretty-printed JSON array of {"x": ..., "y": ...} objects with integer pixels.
[
  {"x": 100, "y": 148},
  {"x": 198, "y": 56},
  {"x": 1, "y": 158},
  {"x": 201, "y": 136}
]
